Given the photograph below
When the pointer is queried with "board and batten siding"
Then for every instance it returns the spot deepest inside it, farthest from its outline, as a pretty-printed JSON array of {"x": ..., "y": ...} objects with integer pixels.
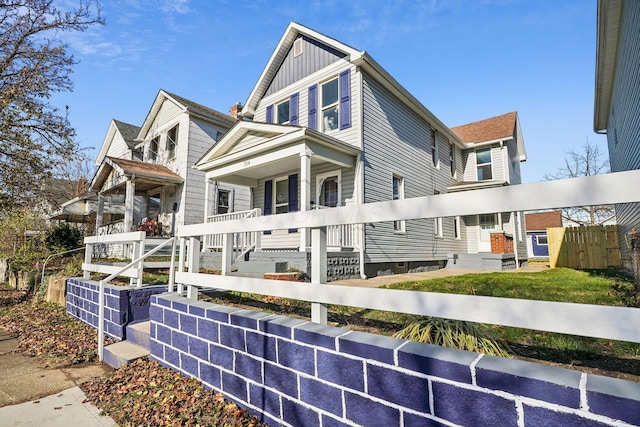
[
  {"x": 350, "y": 135},
  {"x": 398, "y": 142},
  {"x": 623, "y": 132},
  {"x": 315, "y": 56}
]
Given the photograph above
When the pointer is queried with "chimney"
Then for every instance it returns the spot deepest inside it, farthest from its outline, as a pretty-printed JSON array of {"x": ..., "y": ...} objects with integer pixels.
[{"x": 236, "y": 111}]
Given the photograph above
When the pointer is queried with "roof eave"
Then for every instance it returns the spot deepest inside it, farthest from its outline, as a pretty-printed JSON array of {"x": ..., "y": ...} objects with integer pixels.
[{"x": 608, "y": 31}]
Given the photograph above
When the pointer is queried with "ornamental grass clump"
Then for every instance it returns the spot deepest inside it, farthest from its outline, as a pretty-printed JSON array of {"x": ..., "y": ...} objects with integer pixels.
[{"x": 455, "y": 334}]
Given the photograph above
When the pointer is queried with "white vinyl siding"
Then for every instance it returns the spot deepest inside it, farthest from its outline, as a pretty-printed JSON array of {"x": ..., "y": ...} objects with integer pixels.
[
  {"x": 397, "y": 141},
  {"x": 498, "y": 169}
]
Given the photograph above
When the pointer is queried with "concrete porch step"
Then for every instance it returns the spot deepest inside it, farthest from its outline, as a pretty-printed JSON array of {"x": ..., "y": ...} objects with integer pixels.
[
  {"x": 139, "y": 334},
  {"x": 123, "y": 353}
]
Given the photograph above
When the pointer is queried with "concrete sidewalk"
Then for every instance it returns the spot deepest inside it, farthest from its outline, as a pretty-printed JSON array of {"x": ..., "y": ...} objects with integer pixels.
[{"x": 31, "y": 395}]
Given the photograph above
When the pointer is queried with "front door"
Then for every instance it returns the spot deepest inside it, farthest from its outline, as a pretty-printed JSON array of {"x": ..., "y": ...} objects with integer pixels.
[
  {"x": 328, "y": 191},
  {"x": 487, "y": 224}
]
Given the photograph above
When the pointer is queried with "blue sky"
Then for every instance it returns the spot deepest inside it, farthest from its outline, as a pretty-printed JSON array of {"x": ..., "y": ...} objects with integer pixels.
[{"x": 465, "y": 60}]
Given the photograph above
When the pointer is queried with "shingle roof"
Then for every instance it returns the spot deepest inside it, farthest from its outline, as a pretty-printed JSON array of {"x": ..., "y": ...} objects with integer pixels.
[
  {"x": 128, "y": 132},
  {"x": 195, "y": 107},
  {"x": 492, "y": 129},
  {"x": 542, "y": 220},
  {"x": 146, "y": 169}
]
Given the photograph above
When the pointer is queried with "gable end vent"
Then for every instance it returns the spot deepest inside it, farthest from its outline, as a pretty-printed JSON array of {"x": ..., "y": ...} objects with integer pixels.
[{"x": 297, "y": 47}]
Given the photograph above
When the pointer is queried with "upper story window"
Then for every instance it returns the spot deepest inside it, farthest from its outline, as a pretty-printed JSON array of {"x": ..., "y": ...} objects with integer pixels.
[
  {"x": 398, "y": 194},
  {"x": 153, "y": 149},
  {"x": 435, "y": 157},
  {"x": 452, "y": 159},
  {"x": 483, "y": 164},
  {"x": 329, "y": 105},
  {"x": 282, "y": 113},
  {"x": 172, "y": 142}
]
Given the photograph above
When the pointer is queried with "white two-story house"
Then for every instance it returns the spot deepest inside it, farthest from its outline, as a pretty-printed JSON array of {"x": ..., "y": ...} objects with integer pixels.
[{"x": 330, "y": 127}]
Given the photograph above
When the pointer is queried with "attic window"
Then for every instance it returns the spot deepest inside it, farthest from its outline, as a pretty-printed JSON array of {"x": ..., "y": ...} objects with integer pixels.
[{"x": 297, "y": 47}]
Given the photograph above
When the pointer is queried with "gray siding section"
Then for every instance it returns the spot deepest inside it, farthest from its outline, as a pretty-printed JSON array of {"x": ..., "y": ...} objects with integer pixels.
[
  {"x": 315, "y": 56},
  {"x": 623, "y": 133},
  {"x": 397, "y": 142},
  {"x": 497, "y": 165},
  {"x": 514, "y": 163}
]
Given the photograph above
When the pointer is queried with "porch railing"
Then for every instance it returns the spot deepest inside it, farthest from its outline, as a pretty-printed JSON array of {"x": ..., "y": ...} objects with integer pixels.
[
  {"x": 617, "y": 323},
  {"x": 341, "y": 236},
  {"x": 111, "y": 228},
  {"x": 242, "y": 242}
]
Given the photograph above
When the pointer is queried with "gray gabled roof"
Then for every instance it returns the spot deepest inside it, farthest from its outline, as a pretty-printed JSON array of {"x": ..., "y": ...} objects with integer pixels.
[{"x": 128, "y": 132}]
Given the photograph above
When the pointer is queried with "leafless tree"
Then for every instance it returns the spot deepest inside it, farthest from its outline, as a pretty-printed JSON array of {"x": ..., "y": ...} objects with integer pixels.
[
  {"x": 35, "y": 136},
  {"x": 587, "y": 161}
]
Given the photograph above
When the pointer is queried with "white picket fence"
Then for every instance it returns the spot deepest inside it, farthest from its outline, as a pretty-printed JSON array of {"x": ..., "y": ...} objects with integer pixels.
[{"x": 618, "y": 323}]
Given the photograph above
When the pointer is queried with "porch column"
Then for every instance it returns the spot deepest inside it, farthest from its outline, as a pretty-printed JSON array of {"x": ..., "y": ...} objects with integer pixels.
[
  {"x": 100, "y": 212},
  {"x": 207, "y": 198},
  {"x": 305, "y": 194},
  {"x": 129, "y": 202}
]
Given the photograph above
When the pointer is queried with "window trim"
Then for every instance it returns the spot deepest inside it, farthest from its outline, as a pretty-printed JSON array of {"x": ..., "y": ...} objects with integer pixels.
[
  {"x": 437, "y": 228},
  {"x": 452, "y": 160},
  {"x": 153, "y": 154},
  {"x": 399, "y": 227},
  {"x": 277, "y": 112},
  {"x": 218, "y": 205},
  {"x": 172, "y": 142},
  {"x": 335, "y": 104},
  {"x": 275, "y": 205},
  {"x": 538, "y": 236},
  {"x": 435, "y": 152},
  {"x": 321, "y": 177},
  {"x": 457, "y": 230},
  {"x": 490, "y": 163}
]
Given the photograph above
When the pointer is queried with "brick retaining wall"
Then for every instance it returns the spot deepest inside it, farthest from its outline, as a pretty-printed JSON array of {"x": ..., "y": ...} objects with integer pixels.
[
  {"x": 297, "y": 373},
  {"x": 124, "y": 304}
]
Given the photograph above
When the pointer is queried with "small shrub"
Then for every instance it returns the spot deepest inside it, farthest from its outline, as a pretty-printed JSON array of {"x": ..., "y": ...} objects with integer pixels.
[
  {"x": 63, "y": 238},
  {"x": 455, "y": 334}
]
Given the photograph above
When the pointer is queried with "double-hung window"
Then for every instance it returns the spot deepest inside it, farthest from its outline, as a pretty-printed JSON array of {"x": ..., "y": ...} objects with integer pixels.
[
  {"x": 398, "y": 194},
  {"x": 223, "y": 201},
  {"x": 282, "y": 113},
  {"x": 435, "y": 156},
  {"x": 329, "y": 105},
  {"x": 281, "y": 196},
  {"x": 153, "y": 149},
  {"x": 452, "y": 160},
  {"x": 483, "y": 163},
  {"x": 172, "y": 142}
]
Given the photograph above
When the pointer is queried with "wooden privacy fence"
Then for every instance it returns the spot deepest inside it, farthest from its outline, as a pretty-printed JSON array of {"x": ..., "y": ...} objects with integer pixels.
[{"x": 584, "y": 247}]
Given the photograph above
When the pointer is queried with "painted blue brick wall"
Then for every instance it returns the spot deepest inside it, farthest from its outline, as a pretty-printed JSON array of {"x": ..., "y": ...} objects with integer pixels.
[
  {"x": 295, "y": 373},
  {"x": 124, "y": 304}
]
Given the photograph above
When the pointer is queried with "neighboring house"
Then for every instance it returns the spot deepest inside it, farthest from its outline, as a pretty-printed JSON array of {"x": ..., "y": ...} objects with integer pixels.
[
  {"x": 148, "y": 169},
  {"x": 617, "y": 99},
  {"x": 330, "y": 127},
  {"x": 536, "y": 226}
]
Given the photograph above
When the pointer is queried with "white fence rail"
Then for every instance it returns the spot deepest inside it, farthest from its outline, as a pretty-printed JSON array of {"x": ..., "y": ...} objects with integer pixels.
[
  {"x": 619, "y": 323},
  {"x": 135, "y": 239}
]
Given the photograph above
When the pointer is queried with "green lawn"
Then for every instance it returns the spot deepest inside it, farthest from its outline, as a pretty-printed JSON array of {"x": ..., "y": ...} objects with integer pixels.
[{"x": 561, "y": 284}]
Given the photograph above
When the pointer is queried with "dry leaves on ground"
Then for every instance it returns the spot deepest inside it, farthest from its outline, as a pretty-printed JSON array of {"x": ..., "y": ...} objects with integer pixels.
[
  {"x": 46, "y": 330},
  {"x": 10, "y": 297},
  {"x": 145, "y": 393}
]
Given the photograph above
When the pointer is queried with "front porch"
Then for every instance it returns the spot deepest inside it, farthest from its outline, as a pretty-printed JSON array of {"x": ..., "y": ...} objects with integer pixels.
[{"x": 288, "y": 169}]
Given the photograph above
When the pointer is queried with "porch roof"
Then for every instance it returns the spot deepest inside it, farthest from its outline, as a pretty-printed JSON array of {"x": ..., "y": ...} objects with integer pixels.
[
  {"x": 253, "y": 150},
  {"x": 147, "y": 175}
]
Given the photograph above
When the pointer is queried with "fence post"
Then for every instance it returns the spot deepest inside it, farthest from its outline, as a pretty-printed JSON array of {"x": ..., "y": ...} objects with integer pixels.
[
  {"x": 88, "y": 254},
  {"x": 194, "y": 265},
  {"x": 183, "y": 244},
  {"x": 227, "y": 252},
  {"x": 319, "y": 270}
]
